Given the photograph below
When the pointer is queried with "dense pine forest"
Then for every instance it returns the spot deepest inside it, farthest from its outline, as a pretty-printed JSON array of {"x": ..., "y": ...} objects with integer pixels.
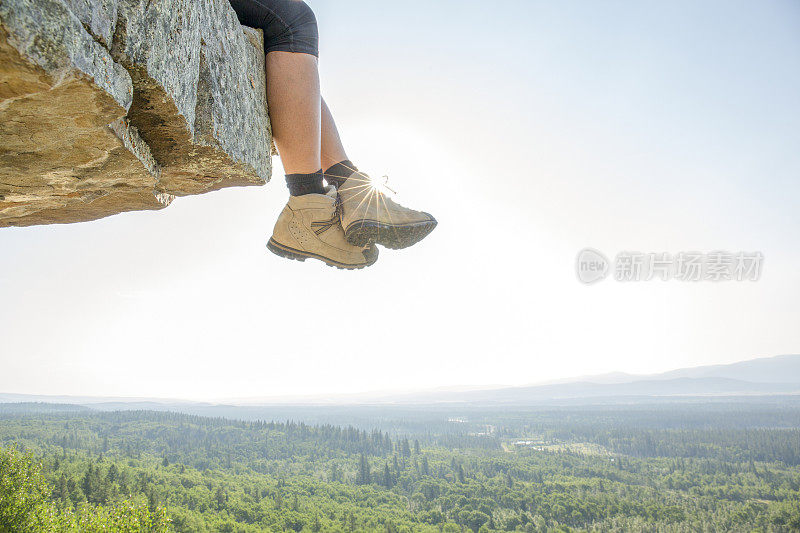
[{"x": 690, "y": 466}]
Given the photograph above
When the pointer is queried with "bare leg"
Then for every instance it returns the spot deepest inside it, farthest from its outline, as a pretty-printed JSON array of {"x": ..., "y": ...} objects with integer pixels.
[
  {"x": 332, "y": 149},
  {"x": 295, "y": 109}
]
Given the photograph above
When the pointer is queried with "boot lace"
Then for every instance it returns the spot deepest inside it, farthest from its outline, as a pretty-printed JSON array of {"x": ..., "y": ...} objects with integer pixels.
[
  {"x": 385, "y": 184},
  {"x": 324, "y": 225}
]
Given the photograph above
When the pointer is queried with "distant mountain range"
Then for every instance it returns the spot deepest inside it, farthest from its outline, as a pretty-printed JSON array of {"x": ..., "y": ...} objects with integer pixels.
[
  {"x": 780, "y": 369},
  {"x": 765, "y": 376}
]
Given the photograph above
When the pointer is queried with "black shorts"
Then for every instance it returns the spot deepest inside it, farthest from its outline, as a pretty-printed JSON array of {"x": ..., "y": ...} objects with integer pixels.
[{"x": 289, "y": 25}]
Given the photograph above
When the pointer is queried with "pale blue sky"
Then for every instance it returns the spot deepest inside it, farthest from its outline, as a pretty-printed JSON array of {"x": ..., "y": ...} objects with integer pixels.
[{"x": 531, "y": 130}]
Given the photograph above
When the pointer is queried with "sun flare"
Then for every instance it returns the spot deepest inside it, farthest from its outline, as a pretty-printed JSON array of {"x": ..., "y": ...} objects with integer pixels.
[{"x": 381, "y": 185}]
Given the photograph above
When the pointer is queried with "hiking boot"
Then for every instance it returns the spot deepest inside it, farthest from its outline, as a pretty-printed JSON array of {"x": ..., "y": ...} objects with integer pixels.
[
  {"x": 370, "y": 216},
  {"x": 310, "y": 227}
]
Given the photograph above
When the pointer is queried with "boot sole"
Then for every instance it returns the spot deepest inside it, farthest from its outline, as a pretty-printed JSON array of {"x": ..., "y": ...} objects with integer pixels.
[
  {"x": 288, "y": 252},
  {"x": 394, "y": 236}
]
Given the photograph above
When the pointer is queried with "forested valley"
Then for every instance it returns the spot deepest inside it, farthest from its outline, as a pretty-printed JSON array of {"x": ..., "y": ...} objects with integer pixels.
[{"x": 689, "y": 466}]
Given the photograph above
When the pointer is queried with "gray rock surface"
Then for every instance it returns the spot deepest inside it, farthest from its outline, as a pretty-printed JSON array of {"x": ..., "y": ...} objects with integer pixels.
[
  {"x": 200, "y": 98},
  {"x": 232, "y": 95},
  {"x": 159, "y": 44},
  {"x": 117, "y": 105},
  {"x": 45, "y": 34},
  {"x": 99, "y": 17}
]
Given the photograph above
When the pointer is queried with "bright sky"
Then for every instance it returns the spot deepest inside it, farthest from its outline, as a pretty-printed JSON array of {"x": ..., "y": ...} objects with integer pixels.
[{"x": 531, "y": 129}]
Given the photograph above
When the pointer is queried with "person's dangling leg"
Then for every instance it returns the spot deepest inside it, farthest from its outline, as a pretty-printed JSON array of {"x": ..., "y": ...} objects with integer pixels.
[
  {"x": 294, "y": 110},
  {"x": 306, "y": 137},
  {"x": 291, "y": 43},
  {"x": 310, "y": 224}
]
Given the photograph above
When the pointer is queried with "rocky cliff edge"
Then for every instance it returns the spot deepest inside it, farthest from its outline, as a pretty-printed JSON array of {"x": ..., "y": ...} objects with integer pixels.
[{"x": 109, "y": 106}]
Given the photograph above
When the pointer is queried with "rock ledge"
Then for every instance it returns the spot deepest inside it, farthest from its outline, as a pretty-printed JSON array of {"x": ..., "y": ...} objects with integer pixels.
[{"x": 109, "y": 106}]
